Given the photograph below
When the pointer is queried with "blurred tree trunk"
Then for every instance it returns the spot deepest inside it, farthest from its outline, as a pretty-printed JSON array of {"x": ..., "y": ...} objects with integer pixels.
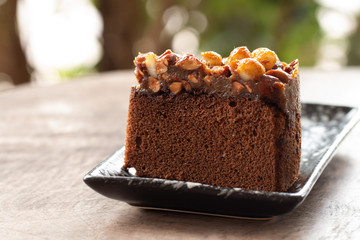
[
  {"x": 12, "y": 57},
  {"x": 120, "y": 32},
  {"x": 126, "y": 22}
]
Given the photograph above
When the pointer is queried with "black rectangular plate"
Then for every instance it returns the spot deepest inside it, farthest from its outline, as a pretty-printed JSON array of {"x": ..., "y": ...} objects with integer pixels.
[{"x": 323, "y": 128}]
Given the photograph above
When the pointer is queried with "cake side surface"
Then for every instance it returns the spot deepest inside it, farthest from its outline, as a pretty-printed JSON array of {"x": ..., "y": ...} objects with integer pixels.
[
  {"x": 289, "y": 142},
  {"x": 214, "y": 140}
]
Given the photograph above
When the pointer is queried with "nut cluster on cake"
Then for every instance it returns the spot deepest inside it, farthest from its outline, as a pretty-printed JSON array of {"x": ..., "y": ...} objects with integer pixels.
[{"x": 243, "y": 72}]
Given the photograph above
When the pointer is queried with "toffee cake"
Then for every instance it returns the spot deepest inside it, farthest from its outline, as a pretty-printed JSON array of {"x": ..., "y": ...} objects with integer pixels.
[{"x": 231, "y": 122}]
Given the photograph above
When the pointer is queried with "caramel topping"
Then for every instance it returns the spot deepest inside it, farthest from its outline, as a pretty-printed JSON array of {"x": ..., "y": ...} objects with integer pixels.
[
  {"x": 212, "y": 73},
  {"x": 256, "y": 75}
]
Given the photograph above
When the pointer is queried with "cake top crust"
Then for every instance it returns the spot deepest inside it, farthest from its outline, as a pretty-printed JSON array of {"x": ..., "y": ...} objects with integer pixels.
[
  {"x": 257, "y": 75},
  {"x": 232, "y": 75}
]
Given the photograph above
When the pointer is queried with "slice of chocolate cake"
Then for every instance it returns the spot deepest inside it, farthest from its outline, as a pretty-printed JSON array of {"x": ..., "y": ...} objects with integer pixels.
[{"x": 232, "y": 122}]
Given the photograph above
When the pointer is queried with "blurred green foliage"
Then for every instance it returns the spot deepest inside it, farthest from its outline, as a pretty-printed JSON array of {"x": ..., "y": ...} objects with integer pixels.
[
  {"x": 288, "y": 27},
  {"x": 75, "y": 72}
]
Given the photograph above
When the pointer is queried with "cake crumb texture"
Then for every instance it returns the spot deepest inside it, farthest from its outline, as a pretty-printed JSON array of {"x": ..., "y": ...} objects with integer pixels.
[{"x": 211, "y": 139}]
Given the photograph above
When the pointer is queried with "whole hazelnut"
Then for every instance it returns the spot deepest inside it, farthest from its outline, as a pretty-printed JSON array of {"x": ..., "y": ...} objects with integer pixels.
[
  {"x": 249, "y": 69},
  {"x": 266, "y": 57}
]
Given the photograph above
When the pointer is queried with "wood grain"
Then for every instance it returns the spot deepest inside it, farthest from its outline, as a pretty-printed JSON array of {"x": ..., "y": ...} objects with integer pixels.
[{"x": 50, "y": 137}]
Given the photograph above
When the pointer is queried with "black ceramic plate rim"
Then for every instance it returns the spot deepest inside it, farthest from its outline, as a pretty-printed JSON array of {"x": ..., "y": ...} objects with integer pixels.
[
  {"x": 354, "y": 115},
  {"x": 133, "y": 179},
  {"x": 298, "y": 197}
]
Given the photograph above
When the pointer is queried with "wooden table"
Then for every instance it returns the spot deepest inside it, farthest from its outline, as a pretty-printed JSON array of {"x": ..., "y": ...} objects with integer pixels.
[{"x": 50, "y": 137}]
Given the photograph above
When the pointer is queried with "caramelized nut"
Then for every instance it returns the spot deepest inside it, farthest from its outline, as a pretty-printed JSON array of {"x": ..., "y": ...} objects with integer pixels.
[
  {"x": 139, "y": 59},
  {"x": 150, "y": 62},
  {"x": 249, "y": 69},
  {"x": 169, "y": 57},
  {"x": 266, "y": 57},
  {"x": 188, "y": 62},
  {"x": 220, "y": 70},
  {"x": 193, "y": 78},
  {"x": 279, "y": 87},
  {"x": 165, "y": 77},
  {"x": 295, "y": 66},
  {"x": 139, "y": 75},
  {"x": 294, "y": 63},
  {"x": 167, "y": 52},
  {"x": 295, "y": 73},
  {"x": 212, "y": 58},
  {"x": 208, "y": 80},
  {"x": 175, "y": 87},
  {"x": 238, "y": 54},
  {"x": 280, "y": 74},
  {"x": 233, "y": 65},
  {"x": 186, "y": 85},
  {"x": 207, "y": 70},
  {"x": 154, "y": 84},
  {"x": 161, "y": 67},
  {"x": 248, "y": 88},
  {"x": 237, "y": 87}
]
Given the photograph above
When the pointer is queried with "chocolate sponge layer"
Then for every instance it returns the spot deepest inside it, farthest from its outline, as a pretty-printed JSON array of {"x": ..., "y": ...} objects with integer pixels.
[{"x": 212, "y": 139}]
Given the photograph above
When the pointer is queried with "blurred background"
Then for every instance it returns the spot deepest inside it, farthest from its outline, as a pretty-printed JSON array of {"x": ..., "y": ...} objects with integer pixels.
[{"x": 50, "y": 41}]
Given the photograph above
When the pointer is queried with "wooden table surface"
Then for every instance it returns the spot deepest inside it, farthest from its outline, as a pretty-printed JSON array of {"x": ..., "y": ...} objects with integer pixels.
[{"x": 50, "y": 137}]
